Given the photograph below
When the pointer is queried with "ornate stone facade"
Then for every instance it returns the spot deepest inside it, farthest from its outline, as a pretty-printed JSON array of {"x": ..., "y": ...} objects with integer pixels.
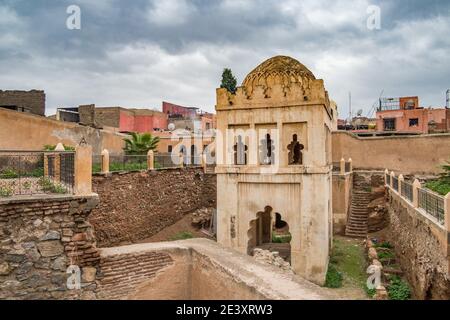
[{"x": 274, "y": 160}]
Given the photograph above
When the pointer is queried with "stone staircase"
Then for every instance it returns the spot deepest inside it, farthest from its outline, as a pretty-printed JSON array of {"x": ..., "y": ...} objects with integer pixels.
[{"x": 357, "y": 224}]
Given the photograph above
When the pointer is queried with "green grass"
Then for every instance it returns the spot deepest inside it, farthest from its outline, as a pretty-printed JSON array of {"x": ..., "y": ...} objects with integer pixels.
[
  {"x": 385, "y": 254},
  {"x": 347, "y": 259},
  {"x": 182, "y": 236},
  {"x": 441, "y": 186},
  {"x": 334, "y": 278}
]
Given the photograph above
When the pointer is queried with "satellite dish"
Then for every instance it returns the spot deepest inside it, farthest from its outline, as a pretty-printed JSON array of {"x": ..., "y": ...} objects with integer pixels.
[
  {"x": 171, "y": 126},
  {"x": 359, "y": 113}
]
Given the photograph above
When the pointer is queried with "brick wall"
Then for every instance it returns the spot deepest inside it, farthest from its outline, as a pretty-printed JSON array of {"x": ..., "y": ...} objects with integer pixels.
[
  {"x": 39, "y": 238},
  {"x": 137, "y": 205},
  {"x": 122, "y": 274},
  {"x": 33, "y": 100}
]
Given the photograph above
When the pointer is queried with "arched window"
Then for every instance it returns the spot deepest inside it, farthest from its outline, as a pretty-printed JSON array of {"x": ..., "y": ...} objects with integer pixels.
[
  {"x": 267, "y": 154},
  {"x": 240, "y": 152},
  {"x": 295, "y": 155}
]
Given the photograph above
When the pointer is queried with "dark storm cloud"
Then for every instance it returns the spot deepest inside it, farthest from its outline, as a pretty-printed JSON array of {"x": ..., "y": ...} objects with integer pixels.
[{"x": 137, "y": 53}]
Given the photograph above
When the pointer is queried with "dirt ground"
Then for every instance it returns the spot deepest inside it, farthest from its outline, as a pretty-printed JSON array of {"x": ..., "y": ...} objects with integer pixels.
[{"x": 183, "y": 225}]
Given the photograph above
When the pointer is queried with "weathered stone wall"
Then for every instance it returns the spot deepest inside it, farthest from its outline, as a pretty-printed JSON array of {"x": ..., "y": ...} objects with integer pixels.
[
  {"x": 33, "y": 100},
  {"x": 39, "y": 238},
  {"x": 341, "y": 191},
  {"x": 406, "y": 154},
  {"x": 421, "y": 247},
  {"x": 137, "y": 205},
  {"x": 195, "y": 269},
  {"x": 32, "y": 132}
]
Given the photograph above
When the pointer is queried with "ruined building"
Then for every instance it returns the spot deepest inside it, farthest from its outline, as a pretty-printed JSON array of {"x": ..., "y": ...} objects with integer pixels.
[
  {"x": 274, "y": 164},
  {"x": 23, "y": 101}
]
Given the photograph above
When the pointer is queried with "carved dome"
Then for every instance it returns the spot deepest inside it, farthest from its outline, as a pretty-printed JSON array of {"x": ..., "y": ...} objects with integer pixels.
[{"x": 277, "y": 70}]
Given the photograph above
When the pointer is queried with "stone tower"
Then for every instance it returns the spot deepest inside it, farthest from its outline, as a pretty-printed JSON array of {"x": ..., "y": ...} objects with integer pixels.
[{"x": 273, "y": 153}]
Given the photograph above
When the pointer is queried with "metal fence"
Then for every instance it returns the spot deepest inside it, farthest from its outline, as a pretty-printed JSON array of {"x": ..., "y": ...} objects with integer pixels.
[
  {"x": 347, "y": 167},
  {"x": 407, "y": 190},
  {"x": 127, "y": 163},
  {"x": 36, "y": 172},
  {"x": 395, "y": 183},
  {"x": 433, "y": 204},
  {"x": 388, "y": 179}
]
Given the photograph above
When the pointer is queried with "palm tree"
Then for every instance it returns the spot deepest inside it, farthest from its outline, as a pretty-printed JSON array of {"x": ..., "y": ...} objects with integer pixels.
[{"x": 140, "y": 143}]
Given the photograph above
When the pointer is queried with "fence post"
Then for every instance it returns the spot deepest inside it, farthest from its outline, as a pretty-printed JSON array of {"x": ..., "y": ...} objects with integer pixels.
[
  {"x": 342, "y": 166},
  {"x": 83, "y": 170},
  {"x": 416, "y": 186},
  {"x": 181, "y": 155},
  {"x": 447, "y": 211},
  {"x": 392, "y": 179},
  {"x": 350, "y": 165},
  {"x": 400, "y": 181},
  {"x": 204, "y": 164},
  {"x": 105, "y": 161},
  {"x": 386, "y": 173},
  {"x": 150, "y": 160}
]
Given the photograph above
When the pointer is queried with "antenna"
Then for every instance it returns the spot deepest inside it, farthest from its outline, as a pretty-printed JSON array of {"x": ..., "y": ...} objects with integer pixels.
[{"x": 350, "y": 106}]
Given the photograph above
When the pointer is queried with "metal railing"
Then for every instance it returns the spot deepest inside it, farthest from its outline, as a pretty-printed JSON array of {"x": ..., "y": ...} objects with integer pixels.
[
  {"x": 432, "y": 204},
  {"x": 36, "y": 172},
  {"x": 395, "y": 183},
  {"x": 407, "y": 190},
  {"x": 347, "y": 167},
  {"x": 388, "y": 179}
]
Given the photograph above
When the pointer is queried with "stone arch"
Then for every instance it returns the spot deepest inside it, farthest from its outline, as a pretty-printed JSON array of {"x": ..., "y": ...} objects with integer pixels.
[{"x": 270, "y": 232}]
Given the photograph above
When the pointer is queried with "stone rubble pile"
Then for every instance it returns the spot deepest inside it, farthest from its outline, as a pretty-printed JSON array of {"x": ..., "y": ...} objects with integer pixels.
[
  {"x": 272, "y": 258},
  {"x": 202, "y": 217}
]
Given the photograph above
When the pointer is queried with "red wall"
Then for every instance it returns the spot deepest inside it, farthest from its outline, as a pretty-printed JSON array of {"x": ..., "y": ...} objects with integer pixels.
[
  {"x": 141, "y": 123},
  {"x": 170, "y": 108}
]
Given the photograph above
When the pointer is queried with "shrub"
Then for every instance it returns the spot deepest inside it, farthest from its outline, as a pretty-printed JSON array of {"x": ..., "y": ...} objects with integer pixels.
[
  {"x": 384, "y": 244},
  {"x": 9, "y": 174},
  {"x": 6, "y": 192},
  {"x": 52, "y": 147},
  {"x": 333, "y": 277},
  {"x": 47, "y": 185},
  {"x": 286, "y": 238},
  {"x": 385, "y": 254},
  {"x": 370, "y": 292},
  {"x": 398, "y": 289}
]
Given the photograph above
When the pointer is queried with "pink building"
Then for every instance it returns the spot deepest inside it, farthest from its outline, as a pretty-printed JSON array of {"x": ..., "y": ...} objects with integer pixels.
[{"x": 405, "y": 115}]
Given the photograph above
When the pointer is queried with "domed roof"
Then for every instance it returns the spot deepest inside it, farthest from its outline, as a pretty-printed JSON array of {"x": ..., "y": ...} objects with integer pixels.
[{"x": 279, "y": 69}]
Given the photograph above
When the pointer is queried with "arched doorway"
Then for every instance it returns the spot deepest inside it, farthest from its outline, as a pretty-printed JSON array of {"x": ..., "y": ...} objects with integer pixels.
[{"x": 269, "y": 232}]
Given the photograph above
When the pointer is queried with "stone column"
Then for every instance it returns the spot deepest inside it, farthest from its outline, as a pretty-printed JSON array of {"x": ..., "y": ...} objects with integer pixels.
[
  {"x": 447, "y": 223},
  {"x": 83, "y": 170},
  {"x": 401, "y": 179},
  {"x": 46, "y": 164},
  {"x": 416, "y": 187},
  {"x": 204, "y": 164},
  {"x": 342, "y": 166},
  {"x": 105, "y": 161},
  {"x": 181, "y": 162},
  {"x": 150, "y": 160},
  {"x": 350, "y": 165}
]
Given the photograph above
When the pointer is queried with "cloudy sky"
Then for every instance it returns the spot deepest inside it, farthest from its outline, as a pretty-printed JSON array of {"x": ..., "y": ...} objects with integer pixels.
[{"x": 140, "y": 52}]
